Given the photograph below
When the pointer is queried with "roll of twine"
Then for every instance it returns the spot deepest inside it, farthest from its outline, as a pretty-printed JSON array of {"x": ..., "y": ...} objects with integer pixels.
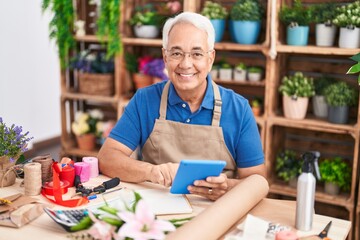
[
  {"x": 94, "y": 166},
  {"x": 82, "y": 169},
  {"x": 67, "y": 174},
  {"x": 46, "y": 169},
  {"x": 32, "y": 179}
]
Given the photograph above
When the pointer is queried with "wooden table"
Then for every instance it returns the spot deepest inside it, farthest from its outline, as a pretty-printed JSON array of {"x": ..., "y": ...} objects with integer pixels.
[{"x": 277, "y": 211}]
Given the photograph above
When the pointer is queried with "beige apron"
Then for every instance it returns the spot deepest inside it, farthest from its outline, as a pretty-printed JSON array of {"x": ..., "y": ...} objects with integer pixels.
[{"x": 173, "y": 141}]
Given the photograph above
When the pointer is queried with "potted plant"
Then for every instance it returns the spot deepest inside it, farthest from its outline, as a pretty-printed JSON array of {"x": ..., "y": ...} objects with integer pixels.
[
  {"x": 135, "y": 66},
  {"x": 339, "y": 96},
  {"x": 256, "y": 106},
  {"x": 13, "y": 142},
  {"x": 336, "y": 174},
  {"x": 320, "y": 108},
  {"x": 356, "y": 67},
  {"x": 225, "y": 72},
  {"x": 240, "y": 72},
  {"x": 325, "y": 30},
  {"x": 84, "y": 128},
  {"x": 297, "y": 19},
  {"x": 145, "y": 21},
  {"x": 95, "y": 73},
  {"x": 217, "y": 15},
  {"x": 245, "y": 24},
  {"x": 254, "y": 73},
  {"x": 61, "y": 27},
  {"x": 348, "y": 19},
  {"x": 296, "y": 91},
  {"x": 288, "y": 166},
  {"x": 214, "y": 71}
]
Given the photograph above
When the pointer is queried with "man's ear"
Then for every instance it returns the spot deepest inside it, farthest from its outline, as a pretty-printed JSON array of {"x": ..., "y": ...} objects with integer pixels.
[
  {"x": 211, "y": 59},
  {"x": 164, "y": 55}
]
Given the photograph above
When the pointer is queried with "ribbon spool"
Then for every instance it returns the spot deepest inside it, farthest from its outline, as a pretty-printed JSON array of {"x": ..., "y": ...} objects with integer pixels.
[
  {"x": 82, "y": 169},
  {"x": 94, "y": 166},
  {"x": 49, "y": 187},
  {"x": 67, "y": 174},
  {"x": 46, "y": 170},
  {"x": 32, "y": 179}
]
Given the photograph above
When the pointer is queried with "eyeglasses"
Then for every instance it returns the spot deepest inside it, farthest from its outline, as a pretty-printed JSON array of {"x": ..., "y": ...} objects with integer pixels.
[{"x": 178, "y": 55}]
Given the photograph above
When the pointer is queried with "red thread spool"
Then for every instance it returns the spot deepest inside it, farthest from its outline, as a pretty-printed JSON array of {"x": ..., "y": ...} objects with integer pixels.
[
  {"x": 67, "y": 174},
  {"x": 49, "y": 187}
]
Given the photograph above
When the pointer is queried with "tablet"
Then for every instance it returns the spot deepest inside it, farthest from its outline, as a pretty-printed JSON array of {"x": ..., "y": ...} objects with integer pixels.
[{"x": 191, "y": 170}]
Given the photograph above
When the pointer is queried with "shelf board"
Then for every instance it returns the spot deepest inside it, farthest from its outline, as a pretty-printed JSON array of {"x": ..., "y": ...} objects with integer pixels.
[
  {"x": 231, "y": 46},
  {"x": 142, "y": 41},
  {"x": 312, "y": 124},
  {"x": 80, "y": 96},
  {"x": 246, "y": 83},
  {"x": 311, "y": 49},
  {"x": 89, "y": 38},
  {"x": 341, "y": 200}
]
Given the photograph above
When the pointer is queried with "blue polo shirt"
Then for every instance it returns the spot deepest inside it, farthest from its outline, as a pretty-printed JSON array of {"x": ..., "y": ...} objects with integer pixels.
[{"x": 240, "y": 130}]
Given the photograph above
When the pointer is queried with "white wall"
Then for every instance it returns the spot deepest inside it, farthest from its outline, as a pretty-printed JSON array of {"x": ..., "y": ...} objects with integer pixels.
[{"x": 29, "y": 70}]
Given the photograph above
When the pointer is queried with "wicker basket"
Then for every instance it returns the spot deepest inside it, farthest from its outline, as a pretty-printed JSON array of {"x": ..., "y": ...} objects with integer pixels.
[{"x": 96, "y": 84}]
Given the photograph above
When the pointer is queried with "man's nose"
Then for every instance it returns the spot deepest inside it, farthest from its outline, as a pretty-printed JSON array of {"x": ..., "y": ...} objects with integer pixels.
[{"x": 186, "y": 60}]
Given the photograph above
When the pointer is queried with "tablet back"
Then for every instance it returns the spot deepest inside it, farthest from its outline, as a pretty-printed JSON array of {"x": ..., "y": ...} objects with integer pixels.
[{"x": 191, "y": 170}]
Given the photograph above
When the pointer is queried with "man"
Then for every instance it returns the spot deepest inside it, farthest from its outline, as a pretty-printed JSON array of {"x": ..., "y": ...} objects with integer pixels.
[{"x": 187, "y": 117}]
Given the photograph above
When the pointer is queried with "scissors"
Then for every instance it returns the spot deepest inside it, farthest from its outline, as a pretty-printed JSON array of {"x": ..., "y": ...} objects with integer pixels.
[{"x": 323, "y": 234}]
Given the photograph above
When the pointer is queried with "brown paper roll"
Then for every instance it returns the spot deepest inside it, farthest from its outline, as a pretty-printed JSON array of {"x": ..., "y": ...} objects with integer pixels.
[{"x": 215, "y": 220}]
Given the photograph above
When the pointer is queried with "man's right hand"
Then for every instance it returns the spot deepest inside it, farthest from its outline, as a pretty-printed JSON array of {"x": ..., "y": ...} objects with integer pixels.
[{"x": 163, "y": 174}]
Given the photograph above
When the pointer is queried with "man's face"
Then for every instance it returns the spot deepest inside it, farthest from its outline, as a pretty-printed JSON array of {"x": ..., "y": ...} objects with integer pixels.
[{"x": 188, "y": 71}]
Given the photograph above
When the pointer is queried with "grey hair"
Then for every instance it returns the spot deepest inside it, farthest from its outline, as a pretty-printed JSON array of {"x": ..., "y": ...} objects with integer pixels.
[{"x": 198, "y": 20}]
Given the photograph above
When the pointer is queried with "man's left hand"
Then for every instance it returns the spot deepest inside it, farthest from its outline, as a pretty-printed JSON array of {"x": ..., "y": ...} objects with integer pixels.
[{"x": 211, "y": 188}]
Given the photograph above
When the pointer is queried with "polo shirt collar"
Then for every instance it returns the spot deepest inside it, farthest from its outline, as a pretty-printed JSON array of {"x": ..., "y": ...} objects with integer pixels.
[{"x": 208, "y": 101}]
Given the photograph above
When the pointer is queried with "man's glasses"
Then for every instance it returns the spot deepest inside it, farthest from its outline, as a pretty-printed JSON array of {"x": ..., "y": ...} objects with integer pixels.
[{"x": 178, "y": 55}]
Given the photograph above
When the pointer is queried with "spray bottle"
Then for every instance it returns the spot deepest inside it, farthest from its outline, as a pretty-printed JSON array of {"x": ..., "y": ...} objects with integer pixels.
[{"x": 306, "y": 192}]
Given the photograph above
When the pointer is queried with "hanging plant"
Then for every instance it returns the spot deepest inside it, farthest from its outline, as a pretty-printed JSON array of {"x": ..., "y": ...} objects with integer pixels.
[
  {"x": 61, "y": 26},
  {"x": 108, "y": 26}
]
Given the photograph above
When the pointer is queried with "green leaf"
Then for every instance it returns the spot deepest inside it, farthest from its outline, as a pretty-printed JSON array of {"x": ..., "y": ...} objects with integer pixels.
[
  {"x": 354, "y": 69},
  {"x": 356, "y": 57},
  {"x": 21, "y": 159},
  {"x": 84, "y": 223}
]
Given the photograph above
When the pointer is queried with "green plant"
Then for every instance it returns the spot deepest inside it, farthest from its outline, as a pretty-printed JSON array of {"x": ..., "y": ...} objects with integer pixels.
[
  {"x": 213, "y": 10},
  {"x": 256, "y": 102},
  {"x": 356, "y": 67},
  {"x": 288, "y": 165},
  {"x": 336, "y": 171},
  {"x": 324, "y": 12},
  {"x": 61, "y": 26},
  {"x": 247, "y": 10},
  {"x": 321, "y": 83},
  {"x": 131, "y": 62},
  {"x": 85, "y": 122},
  {"x": 145, "y": 15},
  {"x": 225, "y": 66},
  {"x": 340, "y": 94},
  {"x": 240, "y": 66},
  {"x": 297, "y": 15},
  {"x": 108, "y": 26},
  {"x": 348, "y": 15},
  {"x": 13, "y": 141},
  {"x": 255, "y": 70},
  {"x": 92, "y": 62},
  {"x": 297, "y": 85}
]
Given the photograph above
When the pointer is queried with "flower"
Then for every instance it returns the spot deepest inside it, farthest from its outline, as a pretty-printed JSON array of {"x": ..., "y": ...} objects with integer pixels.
[
  {"x": 136, "y": 222},
  {"x": 348, "y": 15},
  {"x": 92, "y": 62},
  {"x": 85, "y": 122},
  {"x": 13, "y": 141},
  {"x": 156, "y": 68},
  {"x": 104, "y": 128}
]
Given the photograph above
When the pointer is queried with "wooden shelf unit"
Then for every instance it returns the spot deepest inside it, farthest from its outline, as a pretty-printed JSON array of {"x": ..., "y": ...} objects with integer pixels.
[{"x": 273, "y": 126}]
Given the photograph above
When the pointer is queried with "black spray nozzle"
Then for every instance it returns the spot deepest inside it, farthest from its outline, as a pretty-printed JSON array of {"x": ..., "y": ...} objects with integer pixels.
[{"x": 311, "y": 163}]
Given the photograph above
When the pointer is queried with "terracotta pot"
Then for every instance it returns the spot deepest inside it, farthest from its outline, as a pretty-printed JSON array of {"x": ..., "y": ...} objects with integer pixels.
[
  {"x": 7, "y": 173},
  {"x": 256, "y": 111},
  {"x": 86, "y": 141},
  {"x": 142, "y": 80}
]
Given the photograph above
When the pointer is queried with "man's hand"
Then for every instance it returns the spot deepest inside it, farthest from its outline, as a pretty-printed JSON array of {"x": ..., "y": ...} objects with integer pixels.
[
  {"x": 211, "y": 188},
  {"x": 163, "y": 174}
]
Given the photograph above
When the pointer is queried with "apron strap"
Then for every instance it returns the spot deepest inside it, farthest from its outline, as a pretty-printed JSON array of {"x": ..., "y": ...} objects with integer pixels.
[{"x": 217, "y": 103}]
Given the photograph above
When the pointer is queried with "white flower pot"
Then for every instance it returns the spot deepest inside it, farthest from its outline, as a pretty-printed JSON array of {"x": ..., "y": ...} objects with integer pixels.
[
  {"x": 146, "y": 31},
  {"x": 325, "y": 35},
  {"x": 214, "y": 74},
  {"x": 225, "y": 74},
  {"x": 349, "y": 38},
  {"x": 320, "y": 107},
  {"x": 295, "y": 108},
  {"x": 240, "y": 75},
  {"x": 254, "y": 77}
]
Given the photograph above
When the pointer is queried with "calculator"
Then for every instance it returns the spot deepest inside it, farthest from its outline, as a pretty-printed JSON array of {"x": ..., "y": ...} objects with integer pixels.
[{"x": 66, "y": 218}]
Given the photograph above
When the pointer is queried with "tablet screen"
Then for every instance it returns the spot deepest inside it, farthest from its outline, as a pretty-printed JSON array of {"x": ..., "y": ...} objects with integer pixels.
[{"x": 191, "y": 170}]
